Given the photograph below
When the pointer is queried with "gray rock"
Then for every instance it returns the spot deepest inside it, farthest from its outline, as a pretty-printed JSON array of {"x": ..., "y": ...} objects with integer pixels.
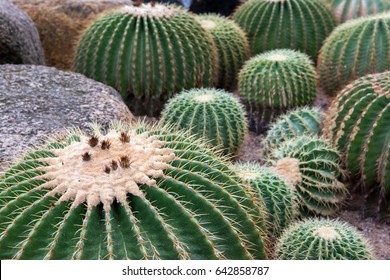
[
  {"x": 37, "y": 100},
  {"x": 19, "y": 38}
]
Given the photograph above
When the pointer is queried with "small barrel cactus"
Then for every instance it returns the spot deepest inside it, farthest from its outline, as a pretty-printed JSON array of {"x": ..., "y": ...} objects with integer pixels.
[
  {"x": 301, "y": 25},
  {"x": 277, "y": 80},
  {"x": 132, "y": 193},
  {"x": 216, "y": 115},
  {"x": 351, "y": 9},
  {"x": 148, "y": 52},
  {"x": 232, "y": 46},
  {"x": 358, "y": 124},
  {"x": 301, "y": 121},
  {"x": 323, "y": 239},
  {"x": 354, "y": 49},
  {"x": 279, "y": 199},
  {"x": 312, "y": 166}
]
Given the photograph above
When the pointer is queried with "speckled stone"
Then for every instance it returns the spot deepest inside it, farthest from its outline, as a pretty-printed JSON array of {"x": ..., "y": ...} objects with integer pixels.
[{"x": 38, "y": 100}]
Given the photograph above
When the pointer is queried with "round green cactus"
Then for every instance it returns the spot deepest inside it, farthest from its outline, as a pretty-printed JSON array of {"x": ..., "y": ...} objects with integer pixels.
[
  {"x": 301, "y": 25},
  {"x": 148, "y": 53},
  {"x": 358, "y": 124},
  {"x": 301, "y": 121},
  {"x": 278, "y": 197},
  {"x": 312, "y": 166},
  {"x": 350, "y": 9},
  {"x": 232, "y": 46},
  {"x": 214, "y": 114},
  {"x": 323, "y": 239},
  {"x": 132, "y": 193},
  {"x": 277, "y": 80},
  {"x": 355, "y": 49}
]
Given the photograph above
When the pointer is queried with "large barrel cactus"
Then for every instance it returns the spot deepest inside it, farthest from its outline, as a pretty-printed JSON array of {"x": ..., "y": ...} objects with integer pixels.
[
  {"x": 358, "y": 124},
  {"x": 132, "y": 193},
  {"x": 292, "y": 24},
  {"x": 323, "y": 239},
  {"x": 232, "y": 46},
  {"x": 147, "y": 53},
  {"x": 216, "y": 115},
  {"x": 351, "y": 9},
  {"x": 355, "y": 49}
]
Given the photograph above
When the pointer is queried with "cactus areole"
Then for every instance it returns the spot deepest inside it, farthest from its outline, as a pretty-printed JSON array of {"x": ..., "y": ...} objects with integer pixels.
[{"x": 130, "y": 193}]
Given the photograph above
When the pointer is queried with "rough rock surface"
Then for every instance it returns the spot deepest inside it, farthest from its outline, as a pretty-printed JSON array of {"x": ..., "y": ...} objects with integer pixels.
[
  {"x": 37, "y": 100},
  {"x": 19, "y": 38}
]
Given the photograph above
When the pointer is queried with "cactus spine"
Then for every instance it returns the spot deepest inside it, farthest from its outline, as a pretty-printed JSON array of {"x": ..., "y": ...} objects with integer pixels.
[
  {"x": 232, "y": 46},
  {"x": 132, "y": 193},
  {"x": 355, "y": 49},
  {"x": 214, "y": 114},
  {"x": 301, "y": 25},
  {"x": 148, "y": 53},
  {"x": 323, "y": 239}
]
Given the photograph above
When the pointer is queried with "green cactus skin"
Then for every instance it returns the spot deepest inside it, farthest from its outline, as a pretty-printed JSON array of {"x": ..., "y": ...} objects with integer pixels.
[
  {"x": 214, "y": 114},
  {"x": 301, "y": 25},
  {"x": 165, "y": 196},
  {"x": 312, "y": 166},
  {"x": 148, "y": 53},
  {"x": 277, "y": 80},
  {"x": 354, "y": 49},
  {"x": 232, "y": 46},
  {"x": 358, "y": 124},
  {"x": 350, "y": 9},
  {"x": 278, "y": 197},
  {"x": 323, "y": 239},
  {"x": 301, "y": 121}
]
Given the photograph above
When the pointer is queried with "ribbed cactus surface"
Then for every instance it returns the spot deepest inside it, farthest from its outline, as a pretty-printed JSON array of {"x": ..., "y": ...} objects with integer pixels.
[
  {"x": 132, "y": 193},
  {"x": 301, "y": 25},
  {"x": 232, "y": 46},
  {"x": 323, "y": 239},
  {"x": 312, "y": 166},
  {"x": 279, "y": 198},
  {"x": 355, "y": 49},
  {"x": 214, "y": 114},
  {"x": 358, "y": 124},
  {"x": 148, "y": 53},
  {"x": 350, "y": 9}
]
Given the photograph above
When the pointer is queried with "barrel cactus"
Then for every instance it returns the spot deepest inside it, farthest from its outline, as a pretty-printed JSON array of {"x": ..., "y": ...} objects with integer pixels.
[
  {"x": 148, "y": 52},
  {"x": 292, "y": 24},
  {"x": 214, "y": 114},
  {"x": 135, "y": 192},
  {"x": 232, "y": 46},
  {"x": 358, "y": 124},
  {"x": 355, "y": 49},
  {"x": 277, "y": 80},
  {"x": 301, "y": 121},
  {"x": 278, "y": 197},
  {"x": 323, "y": 239},
  {"x": 312, "y": 166},
  {"x": 351, "y": 9}
]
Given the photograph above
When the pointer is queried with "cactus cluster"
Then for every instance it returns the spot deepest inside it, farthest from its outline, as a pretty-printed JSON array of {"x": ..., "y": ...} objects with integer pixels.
[
  {"x": 355, "y": 49},
  {"x": 301, "y": 121},
  {"x": 232, "y": 46},
  {"x": 278, "y": 197},
  {"x": 148, "y": 52},
  {"x": 277, "y": 80},
  {"x": 313, "y": 167},
  {"x": 358, "y": 124},
  {"x": 301, "y": 25},
  {"x": 323, "y": 239},
  {"x": 214, "y": 114},
  {"x": 132, "y": 193},
  {"x": 350, "y": 9}
]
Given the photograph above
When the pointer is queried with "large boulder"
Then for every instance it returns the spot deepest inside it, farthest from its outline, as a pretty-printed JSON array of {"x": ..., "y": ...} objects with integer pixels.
[
  {"x": 37, "y": 100},
  {"x": 19, "y": 38}
]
